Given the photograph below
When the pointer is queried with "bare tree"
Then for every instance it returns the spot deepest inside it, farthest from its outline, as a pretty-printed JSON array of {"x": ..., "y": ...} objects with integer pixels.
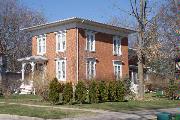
[
  {"x": 165, "y": 42},
  {"x": 17, "y": 43},
  {"x": 139, "y": 11}
]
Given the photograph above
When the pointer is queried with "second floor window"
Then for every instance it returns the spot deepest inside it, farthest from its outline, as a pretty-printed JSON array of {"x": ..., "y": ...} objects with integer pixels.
[
  {"x": 61, "y": 41},
  {"x": 90, "y": 68},
  {"x": 117, "y": 69},
  {"x": 61, "y": 69},
  {"x": 116, "y": 45},
  {"x": 41, "y": 44},
  {"x": 90, "y": 41}
]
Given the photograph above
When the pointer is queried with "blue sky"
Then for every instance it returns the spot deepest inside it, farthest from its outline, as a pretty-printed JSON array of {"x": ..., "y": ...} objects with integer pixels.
[{"x": 99, "y": 10}]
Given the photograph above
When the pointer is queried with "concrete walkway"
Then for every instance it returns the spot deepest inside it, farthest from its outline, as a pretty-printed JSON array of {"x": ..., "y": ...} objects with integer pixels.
[{"x": 101, "y": 114}]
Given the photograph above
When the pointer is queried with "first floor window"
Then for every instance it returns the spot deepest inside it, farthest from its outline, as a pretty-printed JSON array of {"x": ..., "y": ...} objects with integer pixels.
[
  {"x": 61, "y": 70},
  {"x": 116, "y": 45},
  {"x": 91, "y": 68},
  {"x": 134, "y": 76},
  {"x": 117, "y": 69}
]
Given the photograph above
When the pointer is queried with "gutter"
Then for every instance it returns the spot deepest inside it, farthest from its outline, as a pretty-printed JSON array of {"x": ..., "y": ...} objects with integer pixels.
[{"x": 77, "y": 54}]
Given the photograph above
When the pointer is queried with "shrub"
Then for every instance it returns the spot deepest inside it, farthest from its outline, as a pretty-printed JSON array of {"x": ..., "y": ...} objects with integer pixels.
[
  {"x": 93, "y": 92},
  {"x": 172, "y": 90},
  {"x": 127, "y": 85},
  {"x": 41, "y": 85},
  {"x": 103, "y": 92},
  {"x": 54, "y": 90},
  {"x": 80, "y": 92},
  {"x": 112, "y": 91},
  {"x": 120, "y": 90},
  {"x": 67, "y": 93}
]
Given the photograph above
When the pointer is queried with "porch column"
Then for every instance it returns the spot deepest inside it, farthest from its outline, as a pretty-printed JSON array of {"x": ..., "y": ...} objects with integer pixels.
[
  {"x": 44, "y": 71},
  {"x": 132, "y": 77},
  {"x": 32, "y": 70},
  {"x": 23, "y": 71}
]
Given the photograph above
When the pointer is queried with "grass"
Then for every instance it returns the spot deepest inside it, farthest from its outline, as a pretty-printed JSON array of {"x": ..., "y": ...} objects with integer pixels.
[
  {"x": 149, "y": 103},
  {"x": 132, "y": 105},
  {"x": 46, "y": 113},
  {"x": 27, "y": 99}
]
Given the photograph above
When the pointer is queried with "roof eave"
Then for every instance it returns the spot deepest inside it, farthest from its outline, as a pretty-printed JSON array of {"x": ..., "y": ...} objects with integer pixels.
[{"x": 78, "y": 20}]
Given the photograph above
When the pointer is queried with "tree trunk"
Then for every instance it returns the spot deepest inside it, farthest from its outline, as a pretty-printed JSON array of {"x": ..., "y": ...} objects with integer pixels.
[
  {"x": 141, "y": 78},
  {"x": 140, "y": 50}
]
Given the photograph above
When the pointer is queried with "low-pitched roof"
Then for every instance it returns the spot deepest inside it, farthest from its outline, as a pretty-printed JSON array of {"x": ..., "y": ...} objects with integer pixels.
[
  {"x": 33, "y": 59},
  {"x": 81, "y": 21}
]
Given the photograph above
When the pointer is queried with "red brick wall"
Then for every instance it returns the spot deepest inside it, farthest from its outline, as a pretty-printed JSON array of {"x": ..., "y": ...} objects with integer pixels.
[
  {"x": 104, "y": 55},
  {"x": 51, "y": 54}
]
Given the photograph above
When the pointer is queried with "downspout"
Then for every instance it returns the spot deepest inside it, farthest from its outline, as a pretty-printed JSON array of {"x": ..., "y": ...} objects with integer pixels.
[{"x": 77, "y": 53}]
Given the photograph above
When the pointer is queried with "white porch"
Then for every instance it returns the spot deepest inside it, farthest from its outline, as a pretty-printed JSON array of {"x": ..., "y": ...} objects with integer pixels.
[{"x": 29, "y": 66}]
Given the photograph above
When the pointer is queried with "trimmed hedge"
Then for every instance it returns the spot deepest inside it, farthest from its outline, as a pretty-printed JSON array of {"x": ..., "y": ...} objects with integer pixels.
[
  {"x": 93, "y": 92},
  {"x": 68, "y": 93},
  {"x": 80, "y": 92},
  {"x": 112, "y": 91},
  {"x": 54, "y": 90},
  {"x": 103, "y": 91},
  {"x": 120, "y": 91}
]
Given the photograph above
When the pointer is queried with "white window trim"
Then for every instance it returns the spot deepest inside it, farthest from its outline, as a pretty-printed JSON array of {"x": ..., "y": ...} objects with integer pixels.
[
  {"x": 37, "y": 39},
  {"x": 119, "y": 65},
  {"x": 94, "y": 60},
  {"x": 91, "y": 33},
  {"x": 57, "y": 34},
  {"x": 58, "y": 60},
  {"x": 115, "y": 38}
]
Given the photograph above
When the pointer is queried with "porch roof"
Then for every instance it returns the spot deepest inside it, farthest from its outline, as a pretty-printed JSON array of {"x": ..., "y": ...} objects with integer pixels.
[{"x": 37, "y": 58}]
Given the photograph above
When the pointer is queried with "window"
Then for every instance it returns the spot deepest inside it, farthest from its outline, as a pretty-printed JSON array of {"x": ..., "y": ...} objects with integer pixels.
[
  {"x": 41, "y": 44},
  {"x": 61, "y": 41},
  {"x": 90, "y": 41},
  {"x": 117, "y": 69},
  {"x": 61, "y": 69},
  {"x": 116, "y": 45},
  {"x": 90, "y": 68},
  {"x": 134, "y": 76}
]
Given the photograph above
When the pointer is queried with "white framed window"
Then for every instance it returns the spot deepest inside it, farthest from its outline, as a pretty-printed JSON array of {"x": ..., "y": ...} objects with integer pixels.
[
  {"x": 41, "y": 44},
  {"x": 61, "y": 41},
  {"x": 117, "y": 69},
  {"x": 61, "y": 69},
  {"x": 90, "y": 68},
  {"x": 90, "y": 41},
  {"x": 117, "y": 45}
]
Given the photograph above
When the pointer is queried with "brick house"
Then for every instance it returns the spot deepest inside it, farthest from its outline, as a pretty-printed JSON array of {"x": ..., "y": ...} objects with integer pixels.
[{"x": 79, "y": 49}]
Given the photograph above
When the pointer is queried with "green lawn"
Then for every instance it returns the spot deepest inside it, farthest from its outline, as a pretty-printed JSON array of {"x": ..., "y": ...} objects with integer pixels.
[
  {"x": 150, "y": 103},
  {"x": 132, "y": 105},
  {"x": 27, "y": 99},
  {"x": 47, "y": 113}
]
